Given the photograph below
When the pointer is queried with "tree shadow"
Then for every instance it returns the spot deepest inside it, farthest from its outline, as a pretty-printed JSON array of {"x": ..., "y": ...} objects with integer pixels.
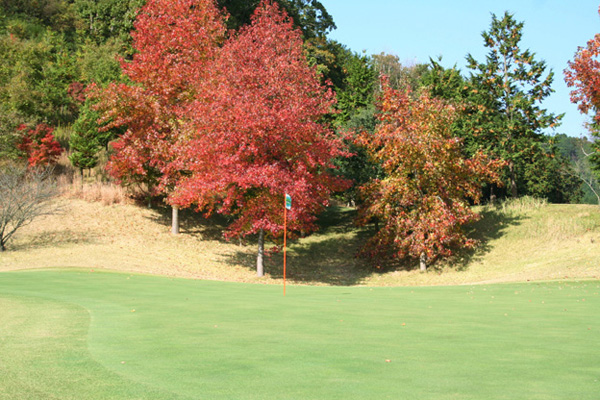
[
  {"x": 492, "y": 225},
  {"x": 48, "y": 239},
  {"x": 328, "y": 256},
  {"x": 193, "y": 223}
]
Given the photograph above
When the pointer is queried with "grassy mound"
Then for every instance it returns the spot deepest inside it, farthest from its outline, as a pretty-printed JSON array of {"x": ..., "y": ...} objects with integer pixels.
[
  {"x": 72, "y": 334},
  {"x": 520, "y": 241}
]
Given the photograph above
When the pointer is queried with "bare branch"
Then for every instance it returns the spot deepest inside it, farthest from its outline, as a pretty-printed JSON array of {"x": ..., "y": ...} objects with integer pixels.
[
  {"x": 24, "y": 196},
  {"x": 589, "y": 180}
]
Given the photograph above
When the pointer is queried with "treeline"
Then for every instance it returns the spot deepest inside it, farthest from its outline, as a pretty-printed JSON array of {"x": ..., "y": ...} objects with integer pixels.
[
  {"x": 226, "y": 106},
  {"x": 53, "y": 49}
]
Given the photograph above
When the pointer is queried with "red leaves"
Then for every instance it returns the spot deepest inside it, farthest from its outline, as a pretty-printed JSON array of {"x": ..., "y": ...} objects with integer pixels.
[
  {"x": 39, "y": 145},
  {"x": 583, "y": 73},
  {"x": 227, "y": 129},
  {"x": 175, "y": 40},
  {"x": 423, "y": 199},
  {"x": 255, "y": 131}
]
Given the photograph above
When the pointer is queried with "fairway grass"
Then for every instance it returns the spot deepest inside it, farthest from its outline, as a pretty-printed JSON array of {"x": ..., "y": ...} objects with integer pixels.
[{"x": 77, "y": 334}]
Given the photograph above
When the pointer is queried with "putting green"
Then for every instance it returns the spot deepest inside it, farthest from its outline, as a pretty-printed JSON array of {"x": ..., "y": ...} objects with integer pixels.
[{"x": 72, "y": 334}]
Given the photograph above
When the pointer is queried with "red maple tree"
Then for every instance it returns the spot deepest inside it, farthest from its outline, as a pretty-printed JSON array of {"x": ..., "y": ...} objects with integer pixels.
[
  {"x": 259, "y": 133},
  {"x": 423, "y": 198},
  {"x": 39, "y": 145},
  {"x": 174, "y": 41},
  {"x": 583, "y": 74}
]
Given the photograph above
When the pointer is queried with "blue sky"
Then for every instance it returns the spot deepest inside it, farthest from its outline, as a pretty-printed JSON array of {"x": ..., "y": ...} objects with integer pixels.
[{"x": 418, "y": 29}]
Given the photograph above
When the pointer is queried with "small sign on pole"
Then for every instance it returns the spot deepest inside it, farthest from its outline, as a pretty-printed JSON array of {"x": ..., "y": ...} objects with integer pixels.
[
  {"x": 288, "y": 206},
  {"x": 288, "y": 202}
]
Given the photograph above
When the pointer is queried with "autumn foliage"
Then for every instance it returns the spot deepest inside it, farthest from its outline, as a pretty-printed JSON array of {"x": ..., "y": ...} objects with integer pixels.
[
  {"x": 39, "y": 145},
  {"x": 423, "y": 199},
  {"x": 583, "y": 75},
  {"x": 174, "y": 42},
  {"x": 257, "y": 132}
]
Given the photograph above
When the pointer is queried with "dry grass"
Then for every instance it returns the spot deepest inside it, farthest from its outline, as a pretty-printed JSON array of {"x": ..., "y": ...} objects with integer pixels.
[
  {"x": 122, "y": 237},
  {"x": 519, "y": 243},
  {"x": 101, "y": 192}
]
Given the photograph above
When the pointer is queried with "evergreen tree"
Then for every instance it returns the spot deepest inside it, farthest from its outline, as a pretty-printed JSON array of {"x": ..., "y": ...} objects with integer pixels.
[
  {"x": 510, "y": 86},
  {"x": 85, "y": 141}
]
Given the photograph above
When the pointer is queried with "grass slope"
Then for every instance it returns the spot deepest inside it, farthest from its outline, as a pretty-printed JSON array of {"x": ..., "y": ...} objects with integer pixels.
[
  {"x": 72, "y": 334},
  {"x": 520, "y": 241}
]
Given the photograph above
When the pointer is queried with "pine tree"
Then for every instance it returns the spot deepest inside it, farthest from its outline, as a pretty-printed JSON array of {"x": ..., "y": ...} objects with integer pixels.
[
  {"x": 85, "y": 141},
  {"x": 508, "y": 89}
]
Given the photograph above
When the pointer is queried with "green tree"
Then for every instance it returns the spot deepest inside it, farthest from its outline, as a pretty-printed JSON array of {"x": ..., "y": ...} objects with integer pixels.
[
  {"x": 356, "y": 92},
  {"x": 25, "y": 15},
  {"x": 10, "y": 137},
  {"x": 99, "y": 63},
  {"x": 35, "y": 76},
  {"x": 450, "y": 85},
  {"x": 549, "y": 175},
  {"x": 104, "y": 20},
  {"x": 85, "y": 141},
  {"x": 510, "y": 86},
  {"x": 356, "y": 98},
  {"x": 578, "y": 152},
  {"x": 308, "y": 15}
]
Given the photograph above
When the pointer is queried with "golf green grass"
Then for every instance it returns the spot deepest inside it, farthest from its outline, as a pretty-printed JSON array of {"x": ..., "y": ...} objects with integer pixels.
[{"x": 73, "y": 334}]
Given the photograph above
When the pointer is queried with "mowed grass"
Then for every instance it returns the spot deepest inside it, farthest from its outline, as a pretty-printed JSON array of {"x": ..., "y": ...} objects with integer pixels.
[{"x": 74, "y": 334}]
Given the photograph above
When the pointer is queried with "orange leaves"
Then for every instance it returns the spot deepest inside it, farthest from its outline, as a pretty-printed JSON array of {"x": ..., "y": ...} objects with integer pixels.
[
  {"x": 583, "y": 74},
  {"x": 422, "y": 201}
]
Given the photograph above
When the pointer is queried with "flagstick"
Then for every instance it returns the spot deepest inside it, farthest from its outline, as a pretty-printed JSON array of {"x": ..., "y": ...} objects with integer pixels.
[{"x": 284, "y": 241}]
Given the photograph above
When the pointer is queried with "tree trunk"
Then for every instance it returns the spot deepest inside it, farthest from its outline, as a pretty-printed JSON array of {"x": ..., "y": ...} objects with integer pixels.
[
  {"x": 260, "y": 272},
  {"x": 423, "y": 262},
  {"x": 492, "y": 195},
  {"x": 513, "y": 179},
  {"x": 175, "y": 220}
]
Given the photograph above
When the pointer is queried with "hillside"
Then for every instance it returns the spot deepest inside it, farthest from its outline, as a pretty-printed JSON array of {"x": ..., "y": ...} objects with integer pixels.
[{"x": 519, "y": 242}]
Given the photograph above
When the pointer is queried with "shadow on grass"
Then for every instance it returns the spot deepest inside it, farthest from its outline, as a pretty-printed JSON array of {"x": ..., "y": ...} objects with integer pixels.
[
  {"x": 326, "y": 257},
  {"x": 48, "y": 239},
  {"x": 193, "y": 223},
  {"x": 329, "y": 255},
  {"x": 491, "y": 226}
]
